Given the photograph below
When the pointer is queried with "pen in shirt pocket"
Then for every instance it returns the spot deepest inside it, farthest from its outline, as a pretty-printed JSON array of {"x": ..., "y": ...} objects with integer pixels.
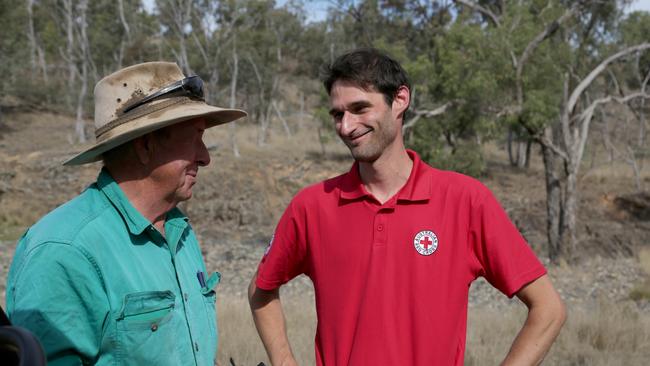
[{"x": 201, "y": 276}]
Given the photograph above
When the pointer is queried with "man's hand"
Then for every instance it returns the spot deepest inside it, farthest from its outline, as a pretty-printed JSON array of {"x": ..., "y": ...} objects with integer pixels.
[
  {"x": 546, "y": 315},
  {"x": 270, "y": 323}
]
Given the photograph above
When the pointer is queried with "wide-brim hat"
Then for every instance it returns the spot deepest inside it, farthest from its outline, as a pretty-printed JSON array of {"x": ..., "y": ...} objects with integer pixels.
[{"x": 117, "y": 92}]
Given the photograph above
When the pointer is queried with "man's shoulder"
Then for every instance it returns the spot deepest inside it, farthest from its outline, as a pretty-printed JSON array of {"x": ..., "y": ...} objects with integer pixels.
[
  {"x": 456, "y": 183},
  {"x": 64, "y": 223},
  {"x": 321, "y": 190}
]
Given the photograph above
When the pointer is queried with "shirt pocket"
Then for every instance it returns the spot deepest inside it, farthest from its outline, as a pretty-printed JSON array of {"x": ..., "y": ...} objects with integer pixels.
[{"x": 147, "y": 323}]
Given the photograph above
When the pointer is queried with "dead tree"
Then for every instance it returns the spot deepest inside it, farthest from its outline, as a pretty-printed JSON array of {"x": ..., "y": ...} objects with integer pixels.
[
  {"x": 563, "y": 146},
  {"x": 37, "y": 56},
  {"x": 233, "y": 97},
  {"x": 83, "y": 74}
]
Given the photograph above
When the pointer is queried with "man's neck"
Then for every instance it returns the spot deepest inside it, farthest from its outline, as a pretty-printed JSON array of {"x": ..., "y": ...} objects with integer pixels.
[
  {"x": 384, "y": 177},
  {"x": 144, "y": 197}
]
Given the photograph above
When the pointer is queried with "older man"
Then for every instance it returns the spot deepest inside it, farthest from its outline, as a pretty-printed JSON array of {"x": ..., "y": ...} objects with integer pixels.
[{"x": 115, "y": 276}]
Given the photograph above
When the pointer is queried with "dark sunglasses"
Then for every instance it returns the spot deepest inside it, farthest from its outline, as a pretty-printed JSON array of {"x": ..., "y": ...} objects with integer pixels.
[{"x": 191, "y": 86}]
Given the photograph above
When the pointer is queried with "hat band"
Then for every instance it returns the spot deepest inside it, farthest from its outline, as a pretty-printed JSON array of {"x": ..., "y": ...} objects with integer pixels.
[{"x": 142, "y": 111}]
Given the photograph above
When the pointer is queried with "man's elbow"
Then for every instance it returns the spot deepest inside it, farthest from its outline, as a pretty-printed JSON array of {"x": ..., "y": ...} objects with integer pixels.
[
  {"x": 553, "y": 311},
  {"x": 559, "y": 313}
]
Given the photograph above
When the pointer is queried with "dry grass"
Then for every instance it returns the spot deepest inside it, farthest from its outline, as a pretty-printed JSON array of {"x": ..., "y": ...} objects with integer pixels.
[
  {"x": 607, "y": 334},
  {"x": 238, "y": 338}
]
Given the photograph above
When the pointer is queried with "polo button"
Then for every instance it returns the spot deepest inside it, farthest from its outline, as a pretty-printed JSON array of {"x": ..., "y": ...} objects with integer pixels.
[
  {"x": 154, "y": 327},
  {"x": 380, "y": 227},
  {"x": 185, "y": 296}
]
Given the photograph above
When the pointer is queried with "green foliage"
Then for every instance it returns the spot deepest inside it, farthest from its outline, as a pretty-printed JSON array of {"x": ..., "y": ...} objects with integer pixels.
[
  {"x": 466, "y": 159},
  {"x": 635, "y": 29},
  {"x": 453, "y": 54},
  {"x": 433, "y": 145}
]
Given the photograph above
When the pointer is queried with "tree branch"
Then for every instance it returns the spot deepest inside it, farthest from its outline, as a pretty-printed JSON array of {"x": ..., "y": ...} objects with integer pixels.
[
  {"x": 584, "y": 84},
  {"x": 427, "y": 114},
  {"x": 482, "y": 10},
  {"x": 532, "y": 46}
]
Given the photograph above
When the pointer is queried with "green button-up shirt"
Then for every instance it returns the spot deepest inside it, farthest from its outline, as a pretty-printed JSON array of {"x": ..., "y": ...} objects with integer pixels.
[{"x": 98, "y": 284}]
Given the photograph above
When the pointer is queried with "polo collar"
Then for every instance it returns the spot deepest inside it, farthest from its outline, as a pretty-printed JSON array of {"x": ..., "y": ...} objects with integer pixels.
[
  {"x": 134, "y": 220},
  {"x": 417, "y": 187}
]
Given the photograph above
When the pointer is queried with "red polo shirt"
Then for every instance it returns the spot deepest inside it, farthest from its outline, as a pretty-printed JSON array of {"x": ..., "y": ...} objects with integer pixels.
[{"x": 392, "y": 280}]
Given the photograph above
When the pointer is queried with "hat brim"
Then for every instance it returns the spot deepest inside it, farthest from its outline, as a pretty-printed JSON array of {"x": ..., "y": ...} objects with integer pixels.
[{"x": 214, "y": 116}]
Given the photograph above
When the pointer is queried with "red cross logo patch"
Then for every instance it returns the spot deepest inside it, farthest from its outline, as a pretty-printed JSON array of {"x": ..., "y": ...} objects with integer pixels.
[{"x": 426, "y": 242}]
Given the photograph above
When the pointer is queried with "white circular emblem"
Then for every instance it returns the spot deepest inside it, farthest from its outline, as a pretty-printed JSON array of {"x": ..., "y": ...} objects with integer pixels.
[{"x": 426, "y": 242}]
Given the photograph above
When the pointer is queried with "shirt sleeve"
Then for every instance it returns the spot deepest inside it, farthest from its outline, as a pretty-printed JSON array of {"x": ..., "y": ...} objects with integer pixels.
[
  {"x": 285, "y": 257},
  {"x": 505, "y": 258},
  {"x": 58, "y": 295}
]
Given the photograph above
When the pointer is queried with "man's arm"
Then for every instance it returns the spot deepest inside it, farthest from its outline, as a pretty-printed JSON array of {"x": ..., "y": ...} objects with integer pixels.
[
  {"x": 57, "y": 294},
  {"x": 270, "y": 323},
  {"x": 546, "y": 315}
]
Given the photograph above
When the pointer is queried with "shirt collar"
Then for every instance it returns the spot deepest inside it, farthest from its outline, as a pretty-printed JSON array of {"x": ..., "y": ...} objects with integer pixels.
[
  {"x": 417, "y": 187},
  {"x": 134, "y": 220}
]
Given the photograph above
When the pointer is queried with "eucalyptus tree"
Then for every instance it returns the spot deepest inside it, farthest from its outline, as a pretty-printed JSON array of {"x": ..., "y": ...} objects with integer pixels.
[{"x": 557, "y": 50}]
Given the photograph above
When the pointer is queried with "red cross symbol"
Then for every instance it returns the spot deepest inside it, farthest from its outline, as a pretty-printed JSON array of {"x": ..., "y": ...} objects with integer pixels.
[{"x": 426, "y": 242}]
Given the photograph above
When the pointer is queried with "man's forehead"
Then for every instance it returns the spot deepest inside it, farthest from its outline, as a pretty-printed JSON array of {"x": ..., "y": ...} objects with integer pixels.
[{"x": 368, "y": 88}]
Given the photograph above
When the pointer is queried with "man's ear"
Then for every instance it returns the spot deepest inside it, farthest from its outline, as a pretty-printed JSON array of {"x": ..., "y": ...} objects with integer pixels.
[
  {"x": 144, "y": 148},
  {"x": 401, "y": 101}
]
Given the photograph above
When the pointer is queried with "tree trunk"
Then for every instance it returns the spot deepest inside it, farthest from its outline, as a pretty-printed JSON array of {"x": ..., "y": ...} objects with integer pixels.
[
  {"x": 233, "y": 100},
  {"x": 522, "y": 154},
  {"x": 31, "y": 37},
  {"x": 554, "y": 212},
  {"x": 182, "y": 15},
  {"x": 36, "y": 54},
  {"x": 285, "y": 125},
  {"x": 518, "y": 150},
  {"x": 301, "y": 115},
  {"x": 83, "y": 44},
  {"x": 570, "y": 208},
  {"x": 125, "y": 24},
  {"x": 69, "y": 26}
]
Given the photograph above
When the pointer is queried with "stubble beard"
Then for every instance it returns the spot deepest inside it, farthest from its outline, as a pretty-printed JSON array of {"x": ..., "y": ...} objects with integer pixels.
[{"x": 381, "y": 138}]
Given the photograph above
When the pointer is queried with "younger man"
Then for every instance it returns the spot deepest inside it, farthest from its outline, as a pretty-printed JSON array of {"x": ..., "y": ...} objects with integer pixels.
[{"x": 393, "y": 245}]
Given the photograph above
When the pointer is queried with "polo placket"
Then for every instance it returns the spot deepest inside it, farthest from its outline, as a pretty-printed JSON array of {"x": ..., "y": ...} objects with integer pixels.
[{"x": 380, "y": 227}]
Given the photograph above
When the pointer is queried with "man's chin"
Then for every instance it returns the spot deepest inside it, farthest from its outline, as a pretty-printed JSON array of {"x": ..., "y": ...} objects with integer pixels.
[{"x": 363, "y": 156}]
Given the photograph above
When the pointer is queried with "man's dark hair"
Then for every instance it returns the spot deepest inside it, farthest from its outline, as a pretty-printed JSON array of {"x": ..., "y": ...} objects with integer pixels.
[{"x": 368, "y": 68}]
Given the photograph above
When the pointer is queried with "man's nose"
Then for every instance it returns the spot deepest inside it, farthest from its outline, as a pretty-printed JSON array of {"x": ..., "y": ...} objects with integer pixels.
[
  {"x": 203, "y": 156},
  {"x": 348, "y": 123}
]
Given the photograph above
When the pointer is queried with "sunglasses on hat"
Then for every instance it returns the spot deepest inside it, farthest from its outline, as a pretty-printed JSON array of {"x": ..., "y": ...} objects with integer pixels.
[{"x": 191, "y": 86}]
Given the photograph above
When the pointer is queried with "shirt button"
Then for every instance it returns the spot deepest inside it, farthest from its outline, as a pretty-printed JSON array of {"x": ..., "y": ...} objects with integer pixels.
[
  {"x": 196, "y": 346},
  {"x": 154, "y": 327},
  {"x": 185, "y": 296},
  {"x": 380, "y": 227}
]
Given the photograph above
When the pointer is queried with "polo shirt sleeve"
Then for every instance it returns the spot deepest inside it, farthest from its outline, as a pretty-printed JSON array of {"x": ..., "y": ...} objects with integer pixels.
[
  {"x": 56, "y": 293},
  {"x": 285, "y": 257},
  {"x": 504, "y": 257}
]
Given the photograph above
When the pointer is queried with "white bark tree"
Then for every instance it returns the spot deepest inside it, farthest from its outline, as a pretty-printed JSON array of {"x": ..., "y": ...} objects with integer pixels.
[
  {"x": 36, "y": 53},
  {"x": 84, "y": 56},
  {"x": 563, "y": 145}
]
